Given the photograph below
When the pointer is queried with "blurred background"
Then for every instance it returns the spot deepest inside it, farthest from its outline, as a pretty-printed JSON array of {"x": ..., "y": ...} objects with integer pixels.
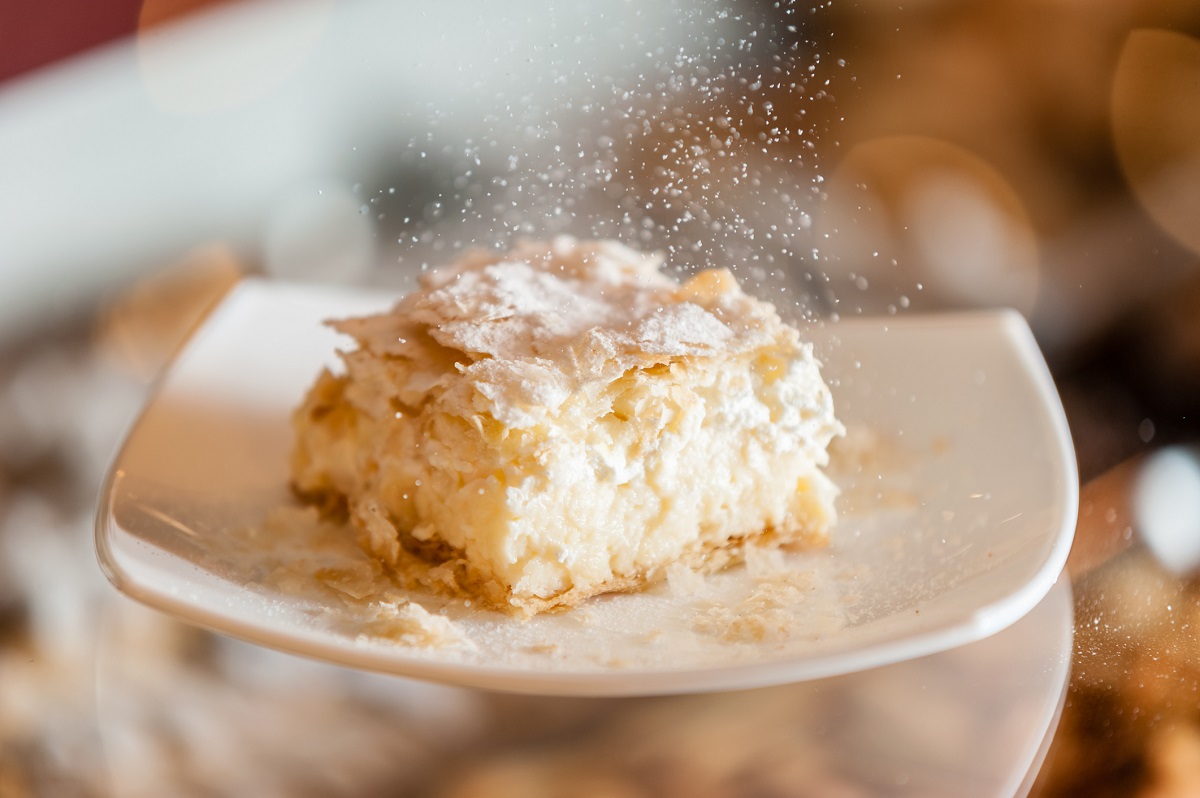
[{"x": 868, "y": 157}]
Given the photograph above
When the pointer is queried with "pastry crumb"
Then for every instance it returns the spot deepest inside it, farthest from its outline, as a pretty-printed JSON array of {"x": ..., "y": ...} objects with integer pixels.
[{"x": 410, "y": 623}]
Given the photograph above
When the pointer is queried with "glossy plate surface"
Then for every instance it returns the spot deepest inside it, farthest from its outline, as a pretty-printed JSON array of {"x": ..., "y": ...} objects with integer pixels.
[{"x": 958, "y": 508}]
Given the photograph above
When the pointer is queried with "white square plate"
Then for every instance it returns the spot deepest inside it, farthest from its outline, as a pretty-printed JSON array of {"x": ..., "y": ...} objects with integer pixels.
[{"x": 958, "y": 509}]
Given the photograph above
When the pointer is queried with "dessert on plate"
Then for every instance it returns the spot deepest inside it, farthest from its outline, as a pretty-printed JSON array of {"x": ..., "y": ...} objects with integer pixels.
[{"x": 533, "y": 428}]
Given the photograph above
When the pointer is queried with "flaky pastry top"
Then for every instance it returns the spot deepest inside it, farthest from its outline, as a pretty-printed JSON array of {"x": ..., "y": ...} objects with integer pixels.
[{"x": 516, "y": 334}]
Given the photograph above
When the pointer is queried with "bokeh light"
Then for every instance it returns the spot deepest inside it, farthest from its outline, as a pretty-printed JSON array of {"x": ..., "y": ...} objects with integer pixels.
[
  {"x": 928, "y": 212},
  {"x": 1156, "y": 128}
]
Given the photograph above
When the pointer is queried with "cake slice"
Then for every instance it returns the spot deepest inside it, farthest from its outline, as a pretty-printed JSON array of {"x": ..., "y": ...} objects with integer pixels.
[{"x": 564, "y": 420}]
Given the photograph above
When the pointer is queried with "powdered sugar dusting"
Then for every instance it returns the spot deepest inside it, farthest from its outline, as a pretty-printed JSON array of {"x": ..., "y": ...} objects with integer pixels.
[
  {"x": 681, "y": 330},
  {"x": 530, "y": 327}
]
